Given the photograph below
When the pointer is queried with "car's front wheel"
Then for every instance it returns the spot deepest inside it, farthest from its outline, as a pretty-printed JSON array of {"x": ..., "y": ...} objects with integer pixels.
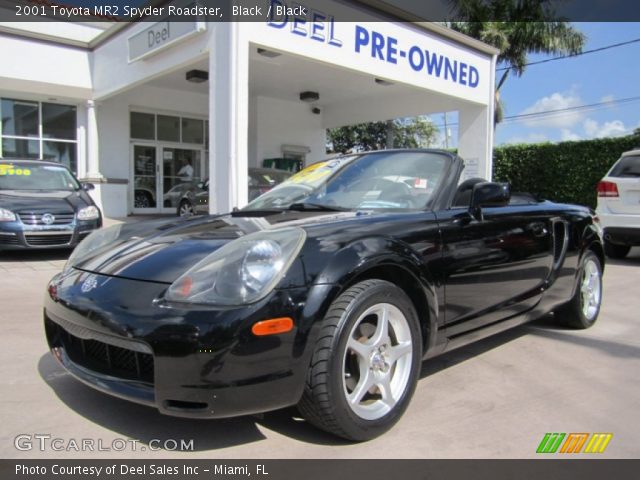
[
  {"x": 583, "y": 309},
  {"x": 616, "y": 251},
  {"x": 185, "y": 209},
  {"x": 366, "y": 362}
]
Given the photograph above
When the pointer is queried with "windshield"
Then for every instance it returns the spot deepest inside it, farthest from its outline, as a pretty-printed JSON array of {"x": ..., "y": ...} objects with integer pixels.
[
  {"x": 36, "y": 177},
  {"x": 381, "y": 180}
]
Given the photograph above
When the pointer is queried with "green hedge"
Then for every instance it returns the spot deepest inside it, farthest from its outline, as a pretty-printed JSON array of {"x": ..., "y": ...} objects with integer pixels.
[{"x": 561, "y": 172}]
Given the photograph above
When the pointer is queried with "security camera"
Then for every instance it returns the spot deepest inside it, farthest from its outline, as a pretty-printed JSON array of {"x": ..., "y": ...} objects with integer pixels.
[{"x": 316, "y": 111}]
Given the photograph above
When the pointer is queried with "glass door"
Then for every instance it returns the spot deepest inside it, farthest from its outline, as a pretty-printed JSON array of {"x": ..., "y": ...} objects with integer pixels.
[
  {"x": 145, "y": 182},
  {"x": 182, "y": 172}
]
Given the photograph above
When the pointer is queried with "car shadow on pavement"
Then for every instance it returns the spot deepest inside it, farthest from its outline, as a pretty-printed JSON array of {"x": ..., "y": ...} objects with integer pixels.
[
  {"x": 15, "y": 256},
  {"x": 145, "y": 423},
  {"x": 467, "y": 352}
]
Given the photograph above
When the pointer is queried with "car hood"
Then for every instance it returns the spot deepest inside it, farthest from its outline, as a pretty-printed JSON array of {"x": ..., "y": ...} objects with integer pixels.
[
  {"x": 161, "y": 250},
  {"x": 61, "y": 201}
]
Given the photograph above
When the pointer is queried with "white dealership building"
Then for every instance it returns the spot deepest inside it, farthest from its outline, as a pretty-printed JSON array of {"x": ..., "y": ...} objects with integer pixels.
[{"x": 129, "y": 105}]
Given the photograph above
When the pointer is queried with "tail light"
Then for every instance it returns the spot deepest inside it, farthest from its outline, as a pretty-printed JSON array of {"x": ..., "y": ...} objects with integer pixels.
[{"x": 607, "y": 189}]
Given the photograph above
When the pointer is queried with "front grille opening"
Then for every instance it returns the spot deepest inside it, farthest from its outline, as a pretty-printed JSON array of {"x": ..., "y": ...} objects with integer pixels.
[
  {"x": 48, "y": 240},
  {"x": 35, "y": 218},
  {"x": 8, "y": 239},
  {"x": 182, "y": 405},
  {"x": 101, "y": 357}
]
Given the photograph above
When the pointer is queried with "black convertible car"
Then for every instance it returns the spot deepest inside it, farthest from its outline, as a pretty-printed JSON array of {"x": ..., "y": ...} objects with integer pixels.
[{"x": 326, "y": 292}]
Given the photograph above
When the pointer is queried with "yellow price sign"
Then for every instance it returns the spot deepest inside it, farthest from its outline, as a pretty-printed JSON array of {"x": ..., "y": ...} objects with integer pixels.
[
  {"x": 313, "y": 174},
  {"x": 6, "y": 169}
]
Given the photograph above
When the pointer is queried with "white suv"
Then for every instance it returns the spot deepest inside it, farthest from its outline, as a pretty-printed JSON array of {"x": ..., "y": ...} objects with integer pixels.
[{"x": 619, "y": 205}]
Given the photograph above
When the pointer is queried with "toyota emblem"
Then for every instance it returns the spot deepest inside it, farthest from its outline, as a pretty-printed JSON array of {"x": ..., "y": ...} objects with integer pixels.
[{"x": 48, "y": 219}]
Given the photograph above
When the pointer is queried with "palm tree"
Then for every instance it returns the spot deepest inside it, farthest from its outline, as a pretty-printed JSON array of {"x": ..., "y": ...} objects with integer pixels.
[{"x": 525, "y": 26}]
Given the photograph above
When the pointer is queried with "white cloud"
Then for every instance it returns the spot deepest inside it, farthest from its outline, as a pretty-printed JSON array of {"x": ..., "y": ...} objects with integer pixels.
[
  {"x": 614, "y": 128},
  {"x": 555, "y": 101},
  {"x": 567, "y": 135},
  {"x": 607, "y": 99},
  {"x": 534, "y": 137}
]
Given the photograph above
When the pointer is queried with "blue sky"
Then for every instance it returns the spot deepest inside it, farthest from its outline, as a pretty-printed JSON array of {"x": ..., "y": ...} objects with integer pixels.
[
  {"x": 592, "y": 78},
  {"x": 598, "y": 77}
]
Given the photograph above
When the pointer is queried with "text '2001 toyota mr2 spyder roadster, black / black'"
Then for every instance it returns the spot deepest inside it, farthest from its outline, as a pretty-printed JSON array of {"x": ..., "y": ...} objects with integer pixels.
[{"x": 326, "y": 292}]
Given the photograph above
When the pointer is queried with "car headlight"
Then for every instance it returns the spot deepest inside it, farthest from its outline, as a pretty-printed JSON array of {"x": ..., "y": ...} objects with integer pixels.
[
  {"x": 88, "y": 213},
  {"x": 243, "y": 271},
  {"x": 97, "y": 239},
  {"x": 7, "y": 215}
]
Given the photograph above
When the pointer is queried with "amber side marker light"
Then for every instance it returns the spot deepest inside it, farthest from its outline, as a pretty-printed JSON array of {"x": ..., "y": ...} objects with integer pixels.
[{"x": 273, "y": 326}]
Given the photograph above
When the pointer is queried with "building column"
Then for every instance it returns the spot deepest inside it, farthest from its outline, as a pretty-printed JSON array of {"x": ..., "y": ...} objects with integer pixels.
[
  {"x": 93, "y": 151},
  {"x": 228, "y": 117},
  {"x": 475, "y": 141}
]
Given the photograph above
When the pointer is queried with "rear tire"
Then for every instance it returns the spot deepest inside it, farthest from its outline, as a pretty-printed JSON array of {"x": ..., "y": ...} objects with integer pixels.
[
  {"x": 583, "y": 309},
  {"x": 616, "y": 251},
  {"x": 366, "y": 362}
]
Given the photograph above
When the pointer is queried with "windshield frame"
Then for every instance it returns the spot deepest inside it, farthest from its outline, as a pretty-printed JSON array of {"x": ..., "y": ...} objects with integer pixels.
[
  {"x": 19, "y": 165},
  {"x": 452, "y": 166}
]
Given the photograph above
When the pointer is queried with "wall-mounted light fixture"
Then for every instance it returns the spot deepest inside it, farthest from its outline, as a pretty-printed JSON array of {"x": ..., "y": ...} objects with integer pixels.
[
  {"x": 268, "y": 53},
  {"x": 384, "y": 83},
  {"x": 197, "y": 76},
  {"x": 309, "y": 96}
]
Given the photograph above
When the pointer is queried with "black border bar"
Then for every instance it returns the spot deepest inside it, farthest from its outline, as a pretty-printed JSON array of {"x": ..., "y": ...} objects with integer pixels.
[
  {"x": 535, "y": 469},
  {"x": 258, "y": 10}
]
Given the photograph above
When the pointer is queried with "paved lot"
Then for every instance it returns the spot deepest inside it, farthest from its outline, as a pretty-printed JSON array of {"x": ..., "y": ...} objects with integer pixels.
[{"x": 493, "y": 399}]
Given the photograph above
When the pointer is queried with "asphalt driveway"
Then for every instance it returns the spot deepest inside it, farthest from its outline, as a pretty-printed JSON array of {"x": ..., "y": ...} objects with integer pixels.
[{"x": 494, "y": 399}]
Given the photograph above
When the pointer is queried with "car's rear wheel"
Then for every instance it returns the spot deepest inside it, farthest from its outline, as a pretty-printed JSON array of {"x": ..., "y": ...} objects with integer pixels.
[
  {"x": 613, "y": 250},
  {"x": 365, "y": 364},
  {"x": 583, "y": 309},
  {"x": 185, "y": 209}
]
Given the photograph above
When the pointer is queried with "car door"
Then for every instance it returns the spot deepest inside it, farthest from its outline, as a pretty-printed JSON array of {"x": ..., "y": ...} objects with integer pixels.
[{"x": 493, "y": 268}]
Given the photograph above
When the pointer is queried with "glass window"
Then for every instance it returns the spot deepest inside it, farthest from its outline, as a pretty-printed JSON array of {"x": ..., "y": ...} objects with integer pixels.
[
  {"x": 62, "y": 152},
  {"x": 58, "y": 121},
  {"x": 192, "y": 130},
  {"x": 143, "y": 125},
  {"x": 19, "y": 118},
  {"x": 168, "y": 128},
  {"x": 628, "y": 166},
  {"x": 20, "y": 148}
]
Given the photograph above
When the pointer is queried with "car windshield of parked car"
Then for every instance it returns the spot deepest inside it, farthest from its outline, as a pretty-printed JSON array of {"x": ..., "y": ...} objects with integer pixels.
[
  {"x": 381, "y": 180},
  {"x": 36, "y": 177}
]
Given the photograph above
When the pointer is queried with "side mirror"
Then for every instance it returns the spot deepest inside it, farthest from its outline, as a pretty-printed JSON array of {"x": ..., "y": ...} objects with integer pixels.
[
  {"x": 87, "y": 187},
  {"x": 488, "y": 194}
]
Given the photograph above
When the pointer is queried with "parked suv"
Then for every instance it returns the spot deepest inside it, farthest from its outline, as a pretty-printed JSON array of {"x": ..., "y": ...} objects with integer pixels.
[
  {"x": 42, "y": 205},
  {"x": 619, "y": 205}
]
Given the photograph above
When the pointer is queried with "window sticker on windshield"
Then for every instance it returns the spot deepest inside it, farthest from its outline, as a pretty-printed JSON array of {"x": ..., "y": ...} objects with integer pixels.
[
  {"x": 420, "y": 183},
  {"x": 12, "y": 170},
  {"x": 315, "y": 172}
]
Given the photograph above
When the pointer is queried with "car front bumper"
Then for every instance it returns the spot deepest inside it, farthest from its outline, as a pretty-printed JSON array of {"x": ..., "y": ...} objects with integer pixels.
[
  {"x": 112, "y": 334},
  {"x": 17, "y": 236}
]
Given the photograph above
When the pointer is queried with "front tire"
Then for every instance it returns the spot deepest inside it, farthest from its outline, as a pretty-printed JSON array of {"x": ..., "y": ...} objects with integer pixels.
[
  {"x": 583, "y": 309},
  {"x": 186, "y": 209},
  {"x": 366, "y": 362},
  {"x": 613, "y": 250}
]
